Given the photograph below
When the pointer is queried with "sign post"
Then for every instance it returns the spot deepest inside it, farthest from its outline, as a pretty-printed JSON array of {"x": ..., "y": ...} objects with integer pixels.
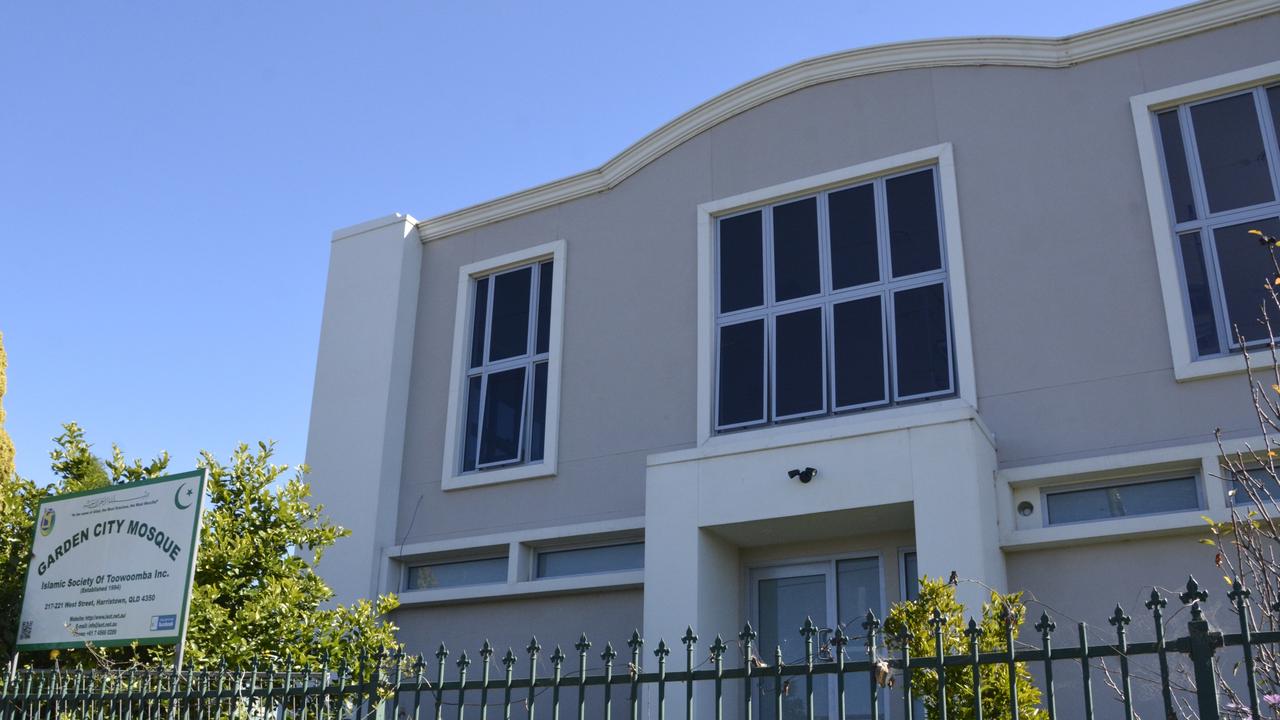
[{"x": 114, "y": 566}]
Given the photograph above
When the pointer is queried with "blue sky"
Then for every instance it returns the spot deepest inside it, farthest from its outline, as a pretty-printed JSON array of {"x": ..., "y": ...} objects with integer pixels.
[{"x": 170, "y": 172}]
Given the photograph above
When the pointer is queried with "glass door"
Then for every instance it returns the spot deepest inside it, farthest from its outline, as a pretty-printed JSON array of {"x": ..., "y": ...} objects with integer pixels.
[{"x": 834, "y": 593}]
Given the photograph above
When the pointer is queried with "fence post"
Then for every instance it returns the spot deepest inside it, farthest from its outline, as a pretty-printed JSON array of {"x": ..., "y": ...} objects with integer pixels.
[{"x": 1202, "y": 642}]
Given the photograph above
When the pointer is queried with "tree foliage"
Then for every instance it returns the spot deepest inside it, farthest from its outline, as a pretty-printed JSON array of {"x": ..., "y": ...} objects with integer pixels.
[
  {"x": 257, "y": 596},
  {"x": 6, "y": 443},
  {"x": 914, "y": 617}
]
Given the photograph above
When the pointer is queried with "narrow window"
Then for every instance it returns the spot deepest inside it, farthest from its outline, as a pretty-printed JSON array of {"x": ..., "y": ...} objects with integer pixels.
[
  {"x": 795, "y": 250},
  {"x": 590, "y": 561},
  {"x": 1113, "y": 501},
  {"x": 741, "y": 389},
  {"x": 506, "y": 386},
  {"x": 457, "y": 574},
  {"x": 741, "y": 262},
  {"x": 854, "y": 246}
]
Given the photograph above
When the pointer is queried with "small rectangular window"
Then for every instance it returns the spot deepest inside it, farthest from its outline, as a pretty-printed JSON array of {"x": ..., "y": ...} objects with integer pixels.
[
  {"x": 741, "y": 389},
  {"x": 795, "y": 250},
  {"x": 854, "y": 248},
  {"x": 1246, "y": 269},
  {"x": 1233, "y": 158},
  {"x": 1199, "y": 294},
  {"x": 592, "y": 560},
  {"x": 457, "y": 574},
  {"x": 910, "y": 576},
  {"x": 741, "y": 262},
  {"x": 798, "y": 360},
  {"x": 1175, "y": 166},
  {"x": 1262, "y": 482},
  {"x": 1148, "y": 497},
  {"x": 913, "y": 224}
]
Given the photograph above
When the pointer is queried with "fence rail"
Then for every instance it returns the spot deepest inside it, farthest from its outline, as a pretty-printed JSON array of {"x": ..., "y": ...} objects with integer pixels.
[{"x": 402, "y": 686}]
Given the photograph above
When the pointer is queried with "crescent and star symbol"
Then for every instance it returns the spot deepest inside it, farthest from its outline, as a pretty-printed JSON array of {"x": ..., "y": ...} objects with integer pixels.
[{"x": 180, "y": 493}]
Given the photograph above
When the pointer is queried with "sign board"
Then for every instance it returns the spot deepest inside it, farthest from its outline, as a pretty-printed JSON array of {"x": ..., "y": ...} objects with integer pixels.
[{"x": 113, "y": 566}]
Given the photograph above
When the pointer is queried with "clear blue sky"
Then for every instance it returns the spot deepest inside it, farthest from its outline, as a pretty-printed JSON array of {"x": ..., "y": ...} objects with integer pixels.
[{"x": 170, "y": 172}]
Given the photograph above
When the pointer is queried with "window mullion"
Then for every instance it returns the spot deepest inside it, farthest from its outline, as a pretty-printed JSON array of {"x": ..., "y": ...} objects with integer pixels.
[
  {"x": 484, "y": 388},
  {"x": 886, "y": 294},
  {"x": 1192, "y": 151}
]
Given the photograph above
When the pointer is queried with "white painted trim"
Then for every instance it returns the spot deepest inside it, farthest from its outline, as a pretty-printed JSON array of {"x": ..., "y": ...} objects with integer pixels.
[
  {"x": 1143, "y": 108},
  {"x": 516, "y": 537},
  {"x": 517, "y": 544},
  {"x": 374, "y": 224},
  {"x": 1203, "y": 458},
  {"x": 949, "y": 52},
  {"x": 451, "y": 479},
  {"x": 554, "y": 586},
  {"x": 832, "y": 428},
  {"x": 938, "y": 155}
]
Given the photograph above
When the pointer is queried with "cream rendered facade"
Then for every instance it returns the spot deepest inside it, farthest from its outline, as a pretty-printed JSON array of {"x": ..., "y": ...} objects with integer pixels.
[{"x": 1068, "y": 346}]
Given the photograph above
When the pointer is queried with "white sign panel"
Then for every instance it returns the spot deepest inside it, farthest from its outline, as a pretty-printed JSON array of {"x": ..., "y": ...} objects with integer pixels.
[{"x": 113, "y": 566}]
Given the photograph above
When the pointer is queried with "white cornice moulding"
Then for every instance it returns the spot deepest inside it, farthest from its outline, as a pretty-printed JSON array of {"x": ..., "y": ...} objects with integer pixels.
[{"x": 1008, "y": 51}]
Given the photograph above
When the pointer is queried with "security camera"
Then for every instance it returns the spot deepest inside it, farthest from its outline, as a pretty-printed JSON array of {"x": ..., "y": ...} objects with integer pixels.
[{"x": 804, "y": 475}]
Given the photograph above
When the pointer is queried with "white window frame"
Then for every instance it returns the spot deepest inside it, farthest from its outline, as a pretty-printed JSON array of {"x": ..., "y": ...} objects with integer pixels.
[
  {"x": 542, "y": 549},
  {"x": 963, "y": 382},
  {"x": 452, "y": 476},
  {"x": 903, "y": 580},
  {"x": 1177, "y": 314},
  {"x": 1121, "y": 481}
]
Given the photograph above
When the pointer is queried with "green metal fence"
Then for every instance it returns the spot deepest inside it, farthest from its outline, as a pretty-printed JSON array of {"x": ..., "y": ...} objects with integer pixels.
[{"x": 446, "y": 689}]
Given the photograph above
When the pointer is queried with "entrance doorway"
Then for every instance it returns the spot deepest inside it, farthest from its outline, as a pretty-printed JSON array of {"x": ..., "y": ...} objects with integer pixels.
[{"x": 835, "y": 593}]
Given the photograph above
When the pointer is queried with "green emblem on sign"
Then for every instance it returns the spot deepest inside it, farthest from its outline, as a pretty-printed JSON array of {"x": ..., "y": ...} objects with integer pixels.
[
  {"x": 183, "y": 492},
  {"x": 46, "y": 522}
]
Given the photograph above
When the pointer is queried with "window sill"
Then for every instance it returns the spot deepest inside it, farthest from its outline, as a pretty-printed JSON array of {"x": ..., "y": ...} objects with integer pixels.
[
  {"x": 551, "y": 586},
  {"x": 1180, "y": 523},
  {"x": 832, "y": 428},
  {"x": 532, "y": 471},
  {"x": 1221, "y": 366}
]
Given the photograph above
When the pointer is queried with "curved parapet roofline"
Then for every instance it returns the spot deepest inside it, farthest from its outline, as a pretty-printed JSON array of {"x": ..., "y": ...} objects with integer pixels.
[{"x": 1005, "y": 51}]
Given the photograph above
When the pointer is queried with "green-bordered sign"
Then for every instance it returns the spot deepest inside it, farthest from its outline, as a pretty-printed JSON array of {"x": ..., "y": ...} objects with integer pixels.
[{"x": 113, "y": 566}]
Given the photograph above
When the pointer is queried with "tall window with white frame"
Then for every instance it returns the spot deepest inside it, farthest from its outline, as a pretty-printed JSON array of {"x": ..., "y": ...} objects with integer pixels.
[
  {"x": 833, "y": 302},
  {"x": 1221, "y": 163},
  {"x": 506, "y": 379}
]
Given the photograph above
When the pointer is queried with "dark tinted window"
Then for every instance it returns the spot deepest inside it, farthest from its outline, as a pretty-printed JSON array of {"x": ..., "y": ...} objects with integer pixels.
[
  {"x": 859, "y": 352},
  {"x": 741, "y": 262},
  {"x": 913, "y": 224},
  {"x": 1232, "y": 158},
  {"x": 1247, "y": 269},
  {"x": 853, "y": 237},
  {"x": 1199, "y": 295},
  {"x": 1175, "y": 162},
  {"x": 544, "y": 306},
  {"x": 478, "y": 319},
  {"x": 538, "y": 417},
  {"x": 457, "y": 574},
  {"x": 921, "y": 342},
  {"x": 741, "y": 389},
  {"x": 473, "y": 424},
  {"x": 1101, "y": 503},
  {"x": 509, "y": 329},
  {"x": 795, "y": 250},
  {"x": 503, "y": 413},
  {"x": 585, "y": 561},
  {"x": 798, "y": 352}
]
